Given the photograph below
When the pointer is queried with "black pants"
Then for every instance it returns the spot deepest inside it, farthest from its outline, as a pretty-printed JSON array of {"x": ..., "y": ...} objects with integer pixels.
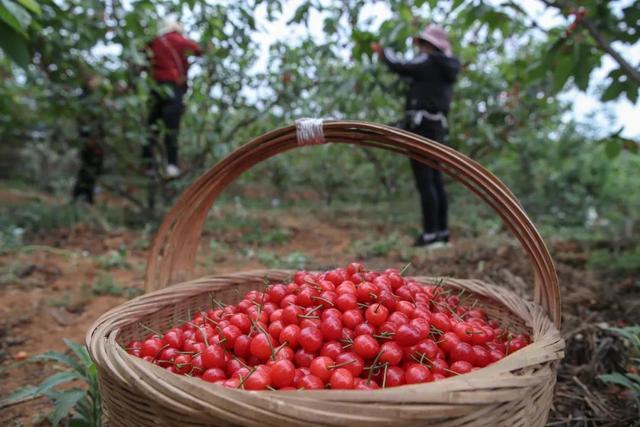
[
  {"x": 91, "y": 161},
  {"x": 166, "y": 111},
  {"x": 433, "y": 198}
]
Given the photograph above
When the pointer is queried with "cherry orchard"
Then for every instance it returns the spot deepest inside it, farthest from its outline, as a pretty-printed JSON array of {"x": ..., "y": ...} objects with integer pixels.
[{"x": 347, "y": 328}]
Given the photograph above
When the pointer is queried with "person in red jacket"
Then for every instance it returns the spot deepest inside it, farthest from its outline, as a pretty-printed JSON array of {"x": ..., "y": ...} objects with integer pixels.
[{"x": 168, "y": 54}]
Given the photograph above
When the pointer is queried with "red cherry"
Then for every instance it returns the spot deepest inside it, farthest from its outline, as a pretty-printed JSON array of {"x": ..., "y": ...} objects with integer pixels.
[
  {"x": 394, "y": 377},
  {"x": 290, "y": 315},
  {"x": 258, "y": 380},
  {"x": 355, "y": 267},
  {"x": 346, "y": 301},
  {"x": 341, "y": 379},
  {"x": 351, "y": 361},
  {"x": 363, "y": 384},
  {"x": 441, "y": 321},
  {"x": 463, "y": 351},
  {"x": 331, "y": 328},
  {"x": 173, "y": 338},
  {"x": 275, "y": 328},
  {"x": 352, "y": 318},
  {"x": 282, "y": 373},
  {"x": 302, "y": 358},
  {"x": 213, "y": 357},
  {"x": 331, "y": 349},
  {"x": 366, "y": 346},
  {"x": 330, "y": 312},
  {"x": 151, "y": 347},
  {"x": 407, "y": 335},
  {"x": 241, "y": 321},
  {"x": 461, "y": 367},
  {"x": 367, "y": 292},
  {"x": 261, "y": 346},
  {"x": 364, "y": 329},
  {"x": 390, "y": 352},
  {"x": 376, "y": 314},
  {"x": 167, "y": 357},
  {"x": 290, "y": 334},
  {"x": 214, "y": 374},
  {"x": 183, "y": 364},
  {"x": 242, "y": 346},
  {"x": 285, "y": 353},
  {"x": 321, "y": 368},
  {"x": 448, "y": 341},
  {"x": 416, "y": 374},
  {"x": 230, "y": 334},
  {"x": 482, "y": 356},
  {"x": 310, "y": 339},
  {"x": 277, "y": 293},
  {"x": 311, "y": 382},
  {"x": 398, "y": 318}
]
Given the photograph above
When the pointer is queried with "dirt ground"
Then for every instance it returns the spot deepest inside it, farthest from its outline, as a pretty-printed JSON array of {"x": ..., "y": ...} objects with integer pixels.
[{"x": 57, "y": 285}]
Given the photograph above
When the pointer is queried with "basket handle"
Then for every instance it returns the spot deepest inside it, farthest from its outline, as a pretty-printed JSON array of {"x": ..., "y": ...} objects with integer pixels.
[{"x": 172, "y": 254}]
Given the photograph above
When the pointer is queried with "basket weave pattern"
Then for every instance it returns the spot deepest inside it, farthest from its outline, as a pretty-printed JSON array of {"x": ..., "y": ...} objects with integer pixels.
[{"x": 517, "y": 390}]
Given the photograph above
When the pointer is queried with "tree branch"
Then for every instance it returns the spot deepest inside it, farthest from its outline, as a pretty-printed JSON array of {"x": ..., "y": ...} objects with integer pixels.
[
  {"x": 628, "y": 69},
  {"x": 601, "y": 41}
]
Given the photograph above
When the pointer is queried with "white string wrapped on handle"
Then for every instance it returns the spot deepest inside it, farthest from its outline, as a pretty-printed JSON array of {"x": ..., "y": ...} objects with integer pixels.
[{"x": 309, "y": 131}]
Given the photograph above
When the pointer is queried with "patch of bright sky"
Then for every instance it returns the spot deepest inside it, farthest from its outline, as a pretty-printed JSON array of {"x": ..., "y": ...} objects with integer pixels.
[{"x": 587, "y": 107}]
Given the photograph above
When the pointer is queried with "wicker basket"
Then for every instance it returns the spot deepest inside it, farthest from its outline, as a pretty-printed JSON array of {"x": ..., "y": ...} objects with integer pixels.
[{"x": 517, "y": 390}]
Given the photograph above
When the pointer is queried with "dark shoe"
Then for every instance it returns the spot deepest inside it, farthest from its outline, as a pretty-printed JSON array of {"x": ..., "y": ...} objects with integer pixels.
[
  {"x": 432, "y": 240},
  {"x": 443, "y": 236},
  {"x": 426, "y": 239}
]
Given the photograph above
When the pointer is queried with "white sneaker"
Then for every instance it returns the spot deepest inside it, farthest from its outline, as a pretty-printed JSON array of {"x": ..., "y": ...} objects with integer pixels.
[{"x": 173, "y": 171}]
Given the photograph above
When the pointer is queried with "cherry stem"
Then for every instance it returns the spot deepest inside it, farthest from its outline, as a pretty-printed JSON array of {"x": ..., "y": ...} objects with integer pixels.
[
  {"x": 421, "y": 361},
  {"x": 215, "y": 301},
  {"x": 339, "y": 365},
  {"x": 159, "y": 351},
  {"x": 437, "y": 331},
  {"x": 313, "y": 310},
  {"x": 271, "y": 388},
  {"x": 323, "y": 299},
  {"x": 405, "y": 269},
  {"x": 384, "y": 375},
  {"x": 243, "y": 379},
  {"x": 150, "y": 330},
  {"x": 374, "y": 363},
  {"x": 384, "y": 335},
  {"x": 307, "y": 316}
]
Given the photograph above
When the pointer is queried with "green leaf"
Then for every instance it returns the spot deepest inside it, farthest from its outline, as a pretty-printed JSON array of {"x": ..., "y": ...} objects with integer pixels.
[
  {"x": 613, "y": 148},
  {"x": 18, "y": 12},
  {"x": 32, "y": 6},
  {"x": 301, "y": 13},
  {"x": 631, "y": 91},
  {"x": 64, "y": 404},
  {"x": 61, "y": 358},
  {"x": 21, "y": 393},
  {"x": 55, "y": 380},
  {"x": 613, "y": 91},
  {"x": 79, "y": 422},
  {"x": 562, "y": 72},
  {"x": 619, "y": 379},
  {"x": 14, "y": 46},
  {"x": 80, "y": 351},
  {"x": 582, "y": 66},
  {"x": 11, "y": 21}
]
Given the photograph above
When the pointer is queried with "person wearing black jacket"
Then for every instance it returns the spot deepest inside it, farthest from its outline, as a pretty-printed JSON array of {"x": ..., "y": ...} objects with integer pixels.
[
  {"x": 91, "y": 132},
  {"x": 431, "y": 76}
]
